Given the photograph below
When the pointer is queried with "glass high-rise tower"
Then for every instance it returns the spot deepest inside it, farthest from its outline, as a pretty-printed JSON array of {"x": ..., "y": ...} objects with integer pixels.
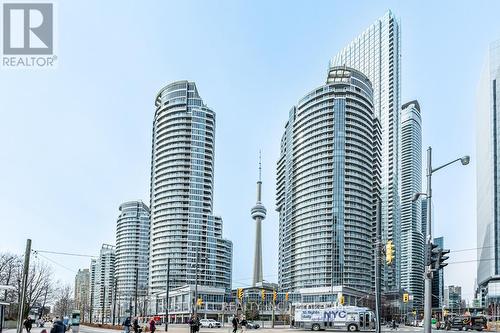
[
  {"x": 102, "y": 279},
  {"x": 412, "y": 239},
  {"x": 183, "y": 227},
  {"x": 488, "y": 178},
  {"x": 376, "y": 53},
  {"x": 132, "y": 252},
  {"x": 328, "y": 179}
]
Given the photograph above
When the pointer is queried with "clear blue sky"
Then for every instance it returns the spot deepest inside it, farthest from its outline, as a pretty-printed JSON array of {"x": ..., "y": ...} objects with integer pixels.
[{"x": 75, "y": 142}]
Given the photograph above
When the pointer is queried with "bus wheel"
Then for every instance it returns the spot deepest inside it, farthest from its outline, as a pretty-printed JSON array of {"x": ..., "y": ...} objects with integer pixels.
[
  {"x": 315, "y": 327},
  {"x": 352, "y": 328}
]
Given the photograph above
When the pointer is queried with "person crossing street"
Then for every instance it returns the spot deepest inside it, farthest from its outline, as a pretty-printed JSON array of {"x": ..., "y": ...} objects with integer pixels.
[{"x": 235, "y": 323}]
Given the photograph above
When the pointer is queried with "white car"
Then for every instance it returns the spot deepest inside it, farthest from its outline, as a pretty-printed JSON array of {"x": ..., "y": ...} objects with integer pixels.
[{"x": 209, "y": 323}]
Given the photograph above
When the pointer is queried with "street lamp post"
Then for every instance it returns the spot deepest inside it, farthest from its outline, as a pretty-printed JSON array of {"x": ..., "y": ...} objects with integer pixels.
[{"x": 428, "y": 235}]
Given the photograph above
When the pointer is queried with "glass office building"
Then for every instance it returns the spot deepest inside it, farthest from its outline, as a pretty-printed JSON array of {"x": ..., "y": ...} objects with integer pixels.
[
  {"x": 453, "y": 298},
  {"x": 183, "y": 227},
  {"x": 132, "y": 252},
  {"x": 412, "y": 240},
  {"x": 328, "y": 178},
  {"x": 488, "y": 177},
  {"x": 376, "y": 53}
]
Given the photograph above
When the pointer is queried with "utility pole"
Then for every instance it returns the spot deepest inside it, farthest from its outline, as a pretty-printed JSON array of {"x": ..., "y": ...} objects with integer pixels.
[
  {"x": 377, "y": 265},
  {"x": 24, "y": 286},
  {"x": 136, "y": 290},
  {"x": 114, "y": 300},
  {"x": 103, "y": 302},
  {"x": 166, "y": 295}
]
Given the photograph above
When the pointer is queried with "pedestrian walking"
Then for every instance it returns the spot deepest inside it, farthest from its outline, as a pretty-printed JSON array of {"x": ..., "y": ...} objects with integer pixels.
[
  {"x": 235, "y": 323},
  {"x": 194, "y": 324},
  {"x": 243, "y": 324},
  {"x": 126, "y": 325},
  {"x": 27, "y": 324},
  {"x": 57, "y": 326},
  {"x": 197, "y": 323},
  {"x": 135, "y": 325},
  {"x": 152, "y": 325}
]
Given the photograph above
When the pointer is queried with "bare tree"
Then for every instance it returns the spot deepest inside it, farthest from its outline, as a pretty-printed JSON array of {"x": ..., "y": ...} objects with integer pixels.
[
  {"x": 40, "y": 283},
  {"x": 10, "y": 265},
  {"x": 64, "y": 302}
]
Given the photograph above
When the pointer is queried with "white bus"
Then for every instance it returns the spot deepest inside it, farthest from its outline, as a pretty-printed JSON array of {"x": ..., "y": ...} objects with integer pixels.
[{"x": 351, "y": 318}]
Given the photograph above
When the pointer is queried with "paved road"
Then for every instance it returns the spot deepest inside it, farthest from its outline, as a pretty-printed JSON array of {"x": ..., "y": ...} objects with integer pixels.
[{"x": 185, "y": 329}]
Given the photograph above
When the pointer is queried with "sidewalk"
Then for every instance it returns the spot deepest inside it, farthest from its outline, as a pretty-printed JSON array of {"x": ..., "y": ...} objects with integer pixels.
[{"x": 33, "y": 330}]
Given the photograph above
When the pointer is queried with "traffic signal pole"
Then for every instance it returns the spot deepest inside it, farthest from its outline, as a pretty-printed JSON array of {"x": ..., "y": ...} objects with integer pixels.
[
  {"x": 377, "y": 267},
  {"x": 272, "y": 315},
  {"x": 428, "y": 238}
]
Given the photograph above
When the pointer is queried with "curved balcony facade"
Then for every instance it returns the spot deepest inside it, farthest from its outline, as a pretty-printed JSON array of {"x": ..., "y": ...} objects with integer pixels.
[
  {"x": 412, "y": 239},
  {"x": 182, "y": 224},
  {"x": 327, "y": 183},
  {"x": 132, "y": 251}
]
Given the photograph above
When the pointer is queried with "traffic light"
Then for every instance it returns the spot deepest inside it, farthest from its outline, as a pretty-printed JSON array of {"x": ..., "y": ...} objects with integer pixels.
[
  {"x": 199, "y": 302},
  {"x": 240, "y": 293},
  {"x": 440, "y": 259},
  {"x": 435, "y": 257},
  {"x": 275, "y": 296},
  {"x": 389, "y": 252},
  {"x": 263, "y": 294},
  {"x": 406, "y": 297},
  {"x": 286, "y": 296},
  {"x": 431, "y": 252},
  {"x": 341, "y": 300}
]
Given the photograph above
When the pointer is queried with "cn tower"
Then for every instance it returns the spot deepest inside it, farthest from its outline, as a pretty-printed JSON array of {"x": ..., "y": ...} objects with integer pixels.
[{"x": 258, "y": 214}]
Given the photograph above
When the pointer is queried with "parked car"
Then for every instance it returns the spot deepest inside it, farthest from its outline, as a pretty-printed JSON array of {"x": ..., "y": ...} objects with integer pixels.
[
  {"x": 466, "y": 323},
  {"x": 252, "y": 325},
  {"x": 209, "y": 323}
]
